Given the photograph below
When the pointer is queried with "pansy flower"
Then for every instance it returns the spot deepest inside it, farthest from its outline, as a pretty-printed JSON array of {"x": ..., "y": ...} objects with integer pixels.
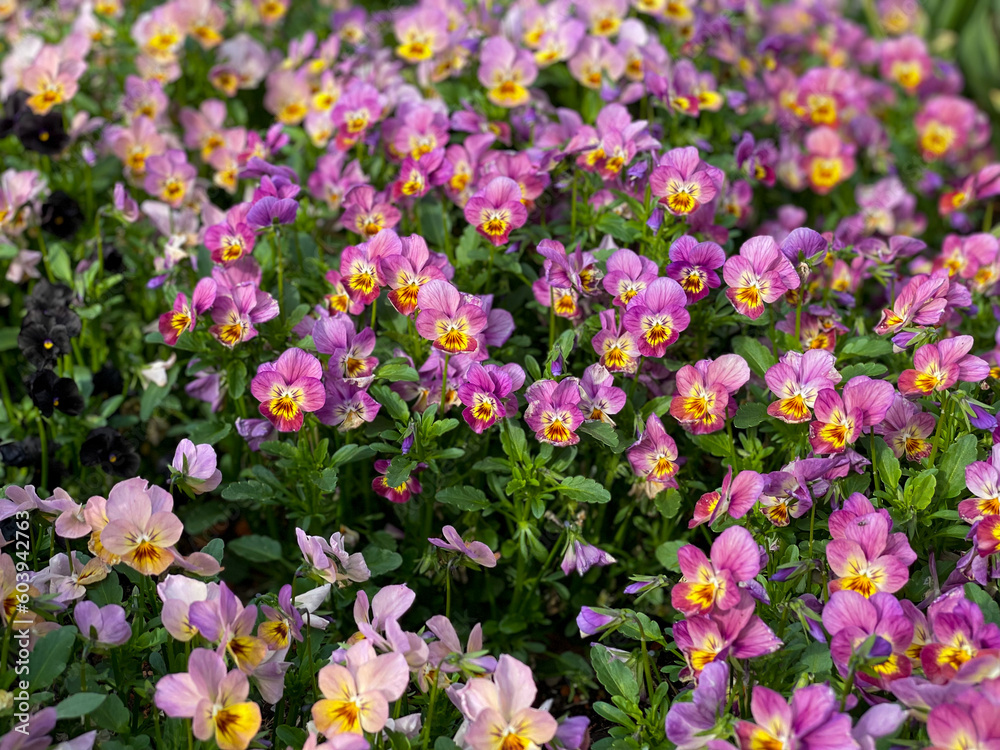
[
  {"x": 983, "y": 480},
  {"x": 477, "y": 552},
  {"x": 714, "y": 582},
  {"x": 232, "y": 239},
  {"x": 142, "y": 528},
  {"x": 398, "y": 494},
  {"x": 704, "y": 392},
  {"x": 358, "y": 108},
  {"x": 959, "y": 632},
  {"x": 937, "y": 367},
  {"x": 407, "y": 272},
  {"x": 683, "y": 182},
  {"x": 347, "y": 405},
  {"x": 944, "y": 126},
  {"x": 851, "y": 619},
  {"x": 553, "y": 411},
  {"x": 796, "y": 380},
  {"x": 758, "y": 276},
  {"x": 692, "y": 265},
  {"x": 921, "y": 302},
  {"x": 906, "y": 430},
  {"x": 488, "y": 394},
  {"x": 422, "y": 32},
  {"x": 446, "y": 320},
  {"x": 657, "y": 317},
  {"x": 349, "y": 350},
  {"x": 288, "y": 388},
  {"x": 812, "y": 720},
  {"x": 506, "y": 72},
  {"x": 600, "y": 397},
  {"x": 617, "y": 347},
  {"x": 736, "y": 498},
  {"x": 828, "y": 160},
  {"x": 237, "y": 310},
  {"x": 360, "y": 265},
  {"x": 169, "y": 177},
  {"x": 736, "y": 632},
  {"x": 184, "y": 317},
  {"x": 496, "y": 210},
  {"x": 862, "y": 559},
  {"x": 577, "y": 270},
  {"x": 654, "y": 456},
  {"x": 628, "y": 275},
  {"x": 366, "y": 212},
  {"x": 840, "y": 419}
]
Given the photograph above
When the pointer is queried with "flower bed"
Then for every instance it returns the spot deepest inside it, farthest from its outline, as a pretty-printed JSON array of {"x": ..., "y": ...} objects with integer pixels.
[{"x": 496, "y": 376}]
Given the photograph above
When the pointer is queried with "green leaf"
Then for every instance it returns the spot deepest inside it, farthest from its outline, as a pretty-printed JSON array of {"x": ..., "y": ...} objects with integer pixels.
[
  {"x": 399, "y": 470},
  {"x": 951, "y": 478},
  {"x": 50, "y": 656},
  {"x": 887, "y": 465},
  {"x": 256, "y": 548},
  {"x": 279, "y": 448},
  {"x": 750, "y": 415},
  {"x": 601, "y": 432},
  {"x": 392, "y": 402},
  {"x": 871, "y": 369},
  {"x": 919, "y": 490},
  {"x": 79, "y": 704},
  {"x": 515, "y": 445},
  {"x": 816, "y": 659},
  {"x": 350, "y": 453},
  {"x": 758, "y": 356},
  {"x": 666, "y": 554},
  {"x": 396, "y": 372},
  {"x": 151, "y": 398},
  {"x": 866, "y": 346},
  {"x": 326, "y": 480},
  {"x": 668, "y": 502},
  {"x": 989, "y": 606},
  {"x": 249, "y": 490},
  {"x": 718, "y": 444},
  {"x": 616, "y": 678},
  {"x": 463, "y": 498},
  {"x": 237, "y": 379},
  {"x": 112, "y": 715},
  {"x": 291, "y": 736},
  {"x": 381, "y": 560},
  {"x": 615, "y": 225},
  {"x": 584, "y": 490},
  {"x": 216, "y": 548},
  {"x": 445, "y": 743},
  {"x": 108, "y": 591}
]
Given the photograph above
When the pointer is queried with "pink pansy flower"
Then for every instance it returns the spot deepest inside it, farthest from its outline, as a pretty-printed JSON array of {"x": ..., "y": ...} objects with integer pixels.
[
  {"x": 736, "y": 632},
  {"x": 232, "y": 239},
  {"x": 704, "y": 395},
  {"x": 628, "y": 275},
  {"x": 906, "y": 430},
  {"x": 178, "y": 593},
  {"x": 736, "y": 498},
  {"x": 581, "y": 557},
  {"x": 367, "y": 212},
  {"x": 715, "y": 583},
  {"x": 654, "y": 456},
  {"x": 937, "y": 367},
  {"x": 224, "y": 620},
  {"x": 104, "y": 626},
  {"x": 692, "y": 265},
  {"x": 944, "y": 125},
  {"x": 339, "y": 301},
  {"x": 828, "y": 160},
  {"x": 51, "y": 79},
  {"x": 683, "y": 182},
  {"x": 758, "y": 276},
  {"x": 215, "y": 700},
  {"x": 506, "y": 71},
  {"x": 811, "y": 721},
  {"x": 442, "y": 652},
  {"x": 496, "y": 210},
  {"x": 422, "y": 32},
  {"x": 445, "y": 320},
  {"x": 349, "y": 350},
  {"x": 237, "y": 309},
  {"x": 657, "y": 317},
  {"x": 360, "y": 265},
  {"x": 500, "y": 711},
  {"x": 961, "y": 725},
  {"x": 141, "y": 529},
  {"x": 195, "y": 467},
  {"x": 862, "y": 560},
  {"x": 983, "y": 480},
  {"x": 288, "y": 388},
  {"x": 407, "y": 272},
  {"x": 358, "y": 108},
  {"x": 475, "y": 551},
  {"x": 553, "y": 411},
  {"x": 959, "y": 632},
  {"x": 921, "y": 302},
  {"x": 600, "y": 397},
  {"x": 840, "y": 419},
  {"x": 347, "y": 406},
  {"x": 905, "y": 61},
  {"x": 418, "y": 130},
  {"x": 400, "y": 493},
  {"x": 330, "y": 559},
  {"x": 169, "y": 177},
  {"x": 184, "y": 317},
  {"x": 617, "y": 347},
  {"x": 574, "y": 270},
  {"x": 796, "y": 380},
  {"x": 356, "y": 696},
  {"x": 596, "y": 62},
  {"x": 851, "y": 618},
  {"x": 488, "y": 394},
  {"x": 332, "y": 181}
]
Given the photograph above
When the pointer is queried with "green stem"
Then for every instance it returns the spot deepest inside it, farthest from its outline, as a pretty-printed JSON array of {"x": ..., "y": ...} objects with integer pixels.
[
  {"x": 812, "y": 526},
  {"x": 645, "y": 663},
  {"x": 430, "y": 711},
  {"x": 279, "y": 261},
  {"x": 45, "y": 451},
  {"x": 45, "y": 256},
  {"x": 871, "y": 456},
  {"x": 444, "y": 383},
  {"x": 447, "y": 592},
  {"x": 798, "y": 314},
  {"x": 374, "y": 313},
  {"x": 945, "y": 414},
  {"x": 552, "y": 317}
]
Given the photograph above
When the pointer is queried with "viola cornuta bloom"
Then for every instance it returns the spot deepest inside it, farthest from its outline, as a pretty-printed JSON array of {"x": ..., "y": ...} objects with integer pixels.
[
  {"x": 407, "y": 272},
  {"x": 628, "y": 275},
  {"x": 705, "y": 390},
  {"x": 616, "y": 345},
  {"x": 863, "y": 559},
  {"x": 796, "y": 380},
  {"x": 356, "y": 695},
  {"x": 553, "y": 411},
  {"x": 811, "y": 721},
  {"x": 840, "y": 419},
  {"x": 758, "y": 276},
  {"x": 736, "y": 498},
  {"x": 496, "y": 210},
  {"x": 657, "y": 317},
  {"x": 506, "y": 71},
  {"x": 446, "y": 320},
  {"x": 736, "y": 632},
  {"x": 141, "y": 528},
  {"x": 184, "y": 317},
  {"x": 654, "y": 456},
  {"x": 710, "y": 583},
  {"x": 683, "y": 182},
  {"x": 488, "y": 394},
  {"x": 289, "y": 388},
  {"x": 907, "y": 430},
  {"x": 937, "y": 367},
  {"x": 851, "y": 618},
  {"x": 692, "y": 265}
]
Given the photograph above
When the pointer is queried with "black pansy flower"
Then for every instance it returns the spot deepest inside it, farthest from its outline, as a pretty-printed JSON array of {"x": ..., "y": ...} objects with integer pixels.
[
  {"x": 61, "y": 215},
  {"x": 43, "y": 342},
  {"x": 48, "y": 392},
  {"x": 13, "y": 107},
  {"x": 108, "y": 381},
  {"x": 23, "y": 453},
  {"x": 44, "y": 134},
  {"x": 46, "y": 296},
  {"x": 114, "y": 454},
  {"x": 60, "y": 316}
]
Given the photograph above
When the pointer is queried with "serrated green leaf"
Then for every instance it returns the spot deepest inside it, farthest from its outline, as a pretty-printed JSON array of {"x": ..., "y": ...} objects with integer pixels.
[
  {"x": 887, "y": 465},
  {"x": 79, "y": 704},
  {"x": 758, "y": 356},
  {"x": 251, "y": 489},
  {"x": 601, "y": 432},
  {"x": 463, "y": 498},
  {"x": 616, "y": 678},
  {"x": 750, "y": 415},
  {"x": 583, "y": 490},
  {"x": 951, "y": 477},
  {"x": 256, "y": 548}
]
